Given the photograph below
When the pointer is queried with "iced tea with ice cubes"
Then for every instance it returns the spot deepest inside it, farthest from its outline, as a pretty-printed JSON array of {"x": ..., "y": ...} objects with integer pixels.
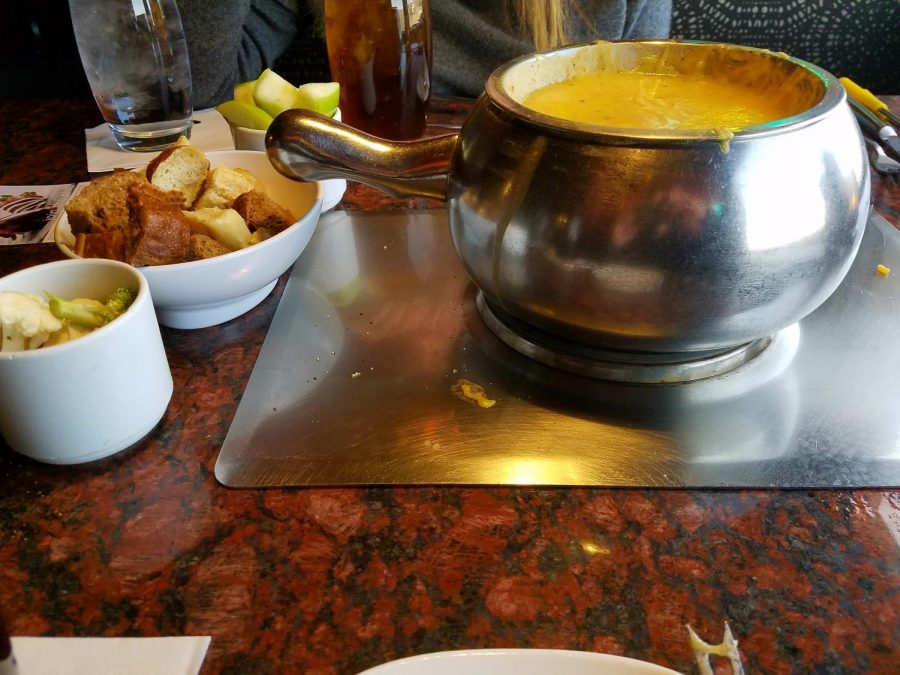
[{"x": 380, "y": 53}]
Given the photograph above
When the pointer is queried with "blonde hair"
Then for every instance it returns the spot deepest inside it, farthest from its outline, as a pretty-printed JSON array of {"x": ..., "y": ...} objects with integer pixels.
[{"x": 544, "y": 21}]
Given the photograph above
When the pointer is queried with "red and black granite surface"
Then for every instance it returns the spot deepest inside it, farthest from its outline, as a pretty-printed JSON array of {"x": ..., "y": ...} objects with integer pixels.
[{"x": 338, "y": 580}]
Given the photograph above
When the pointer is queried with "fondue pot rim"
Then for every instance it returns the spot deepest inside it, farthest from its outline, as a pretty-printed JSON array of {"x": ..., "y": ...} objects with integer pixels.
[{"x": 833, "y": 96}]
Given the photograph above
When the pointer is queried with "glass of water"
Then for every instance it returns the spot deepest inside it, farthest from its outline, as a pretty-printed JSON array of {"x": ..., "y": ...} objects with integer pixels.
[{"x": 136, "y": 60}]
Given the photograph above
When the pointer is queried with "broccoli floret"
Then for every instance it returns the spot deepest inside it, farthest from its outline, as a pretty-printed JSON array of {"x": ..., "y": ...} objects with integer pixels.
[
  {"x": 92, "y": 313},
  {"x": 121, "y": 300},
  {"x": 25, "y": 321}
]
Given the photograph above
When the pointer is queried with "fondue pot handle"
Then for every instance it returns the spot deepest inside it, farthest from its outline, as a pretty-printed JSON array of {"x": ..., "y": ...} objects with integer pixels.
[{"x": 305, "y": 145}]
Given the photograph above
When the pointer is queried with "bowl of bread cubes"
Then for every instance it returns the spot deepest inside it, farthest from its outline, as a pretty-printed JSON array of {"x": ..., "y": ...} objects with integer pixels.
[{"x": 210, "y": 232}]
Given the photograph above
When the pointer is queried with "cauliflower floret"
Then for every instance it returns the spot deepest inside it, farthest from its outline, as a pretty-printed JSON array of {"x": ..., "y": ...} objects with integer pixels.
[{"x": 25, "y": 321}]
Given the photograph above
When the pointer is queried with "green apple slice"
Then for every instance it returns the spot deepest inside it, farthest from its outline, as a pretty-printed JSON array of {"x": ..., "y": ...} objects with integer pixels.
[
  {"x": 322, "y": 97},
  {"x": 273, "y": 93},
  {"x": 243, "y": 92},
  {"x": 243, "y": 115}
]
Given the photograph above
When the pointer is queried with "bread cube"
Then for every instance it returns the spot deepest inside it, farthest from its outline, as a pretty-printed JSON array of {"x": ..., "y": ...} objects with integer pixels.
[
  {"x": 180, "y": 169},
  {"x": 226, "y": 226},
  {"x": 224, "y": 185}
]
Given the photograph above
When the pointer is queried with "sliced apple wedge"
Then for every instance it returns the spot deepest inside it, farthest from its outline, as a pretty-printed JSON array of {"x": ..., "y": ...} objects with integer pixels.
[
  {"x": 273, "y": 93},
  {"x": 243, "y": 92},
  {"x": 322, "y": 97},
  {"x": 243, "y": 115}
]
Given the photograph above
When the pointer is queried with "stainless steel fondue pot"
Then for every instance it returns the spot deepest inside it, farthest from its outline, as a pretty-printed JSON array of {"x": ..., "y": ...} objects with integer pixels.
[{"x": 649, "y": 240}]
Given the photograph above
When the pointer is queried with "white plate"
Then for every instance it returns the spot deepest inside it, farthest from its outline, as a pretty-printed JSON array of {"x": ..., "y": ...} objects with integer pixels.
[{"x": 518, "y": 662}]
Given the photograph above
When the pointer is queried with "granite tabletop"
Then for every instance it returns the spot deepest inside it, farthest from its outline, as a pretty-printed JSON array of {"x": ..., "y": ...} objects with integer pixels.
[{"x": 147, "y": 543}]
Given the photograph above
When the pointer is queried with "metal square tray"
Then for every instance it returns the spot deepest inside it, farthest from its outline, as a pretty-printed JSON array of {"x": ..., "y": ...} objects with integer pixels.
[{"x": 358, "y": 383}]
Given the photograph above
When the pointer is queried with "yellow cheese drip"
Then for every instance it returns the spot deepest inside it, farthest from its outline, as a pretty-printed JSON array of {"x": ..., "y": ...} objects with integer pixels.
[{"x": 472, "y": 393}]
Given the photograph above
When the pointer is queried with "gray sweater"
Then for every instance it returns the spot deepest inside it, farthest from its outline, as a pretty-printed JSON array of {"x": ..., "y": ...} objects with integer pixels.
[
  {"x": 472, "y": 37},
  {"x": 233, "y": 41}
]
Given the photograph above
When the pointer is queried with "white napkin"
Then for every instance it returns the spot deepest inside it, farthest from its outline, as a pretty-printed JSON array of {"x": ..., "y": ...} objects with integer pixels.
[
  {"x": 210, "y": 132},
  {"x": 110, "y": 656}
]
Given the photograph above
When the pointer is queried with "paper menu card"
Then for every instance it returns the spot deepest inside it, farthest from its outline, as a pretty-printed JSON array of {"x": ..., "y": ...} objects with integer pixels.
[
  {"x": 28, "y": 213},
  {"x": 110, "y": 656}
]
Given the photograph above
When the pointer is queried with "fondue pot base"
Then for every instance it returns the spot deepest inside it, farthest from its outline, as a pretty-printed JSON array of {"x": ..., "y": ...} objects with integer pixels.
[{"x": 615, "y": 365}]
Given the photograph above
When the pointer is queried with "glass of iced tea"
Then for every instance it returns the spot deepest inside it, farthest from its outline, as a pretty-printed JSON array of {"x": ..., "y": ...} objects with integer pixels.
[{"x": 380, "y": 53}]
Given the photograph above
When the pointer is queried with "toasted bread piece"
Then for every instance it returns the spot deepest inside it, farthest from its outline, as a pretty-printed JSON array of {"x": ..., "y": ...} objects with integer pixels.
[
  {"x": 159, "y": 233},
  {"x": 260, "y": 234},
  {"x": 107, "y": 244},
  {"x": 103, "y": 204},
  {"x": 261, "y": 211},
  {"x": 203, "y": 246},
  {"x": 224, "y": 185},
  {"x": 224, "y": 225},
  {"x": 180, "y": 169}
]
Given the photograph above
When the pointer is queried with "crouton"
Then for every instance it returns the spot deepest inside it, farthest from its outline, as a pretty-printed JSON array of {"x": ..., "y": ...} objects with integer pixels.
[
  {"x": 108, "y": 244},
  {"x": 180, "y": 169},
  {"x": 202, "y": 247},
  {"x": 224, "y": 185},
  {"x": 103, "y": 204},
  {"x": 261, "y": 212},
  {"x": 224, "y": 225},
  {"x": 159, "y": 233},
  {"x": 260, "y": 234}
]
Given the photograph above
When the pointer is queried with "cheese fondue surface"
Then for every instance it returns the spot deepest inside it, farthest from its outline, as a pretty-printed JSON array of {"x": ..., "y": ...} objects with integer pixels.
[{"x": 641, "y": 100}]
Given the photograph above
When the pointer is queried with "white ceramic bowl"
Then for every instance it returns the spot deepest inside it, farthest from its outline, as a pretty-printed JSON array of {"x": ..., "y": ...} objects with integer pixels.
[
  {"x": 517, "y": 662},
  {"x": 207, "y": 292},
  {"x": 93, "y": 396},
  {"x": 254, "y": 139}
]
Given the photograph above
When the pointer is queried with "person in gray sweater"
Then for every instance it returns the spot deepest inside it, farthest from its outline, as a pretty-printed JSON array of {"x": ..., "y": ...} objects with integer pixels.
[
  {"x": 230, "y": 42},
  {"x": 473, "y": 37}
]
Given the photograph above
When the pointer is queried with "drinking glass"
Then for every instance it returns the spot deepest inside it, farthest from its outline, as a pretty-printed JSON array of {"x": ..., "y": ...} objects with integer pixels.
[
  {"x": 380, "y": 53},
  {"x": 136, "y": 60}
]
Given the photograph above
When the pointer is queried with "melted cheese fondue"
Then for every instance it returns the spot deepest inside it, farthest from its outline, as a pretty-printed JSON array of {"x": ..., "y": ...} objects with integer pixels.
[{"x": 640, "y": 100}]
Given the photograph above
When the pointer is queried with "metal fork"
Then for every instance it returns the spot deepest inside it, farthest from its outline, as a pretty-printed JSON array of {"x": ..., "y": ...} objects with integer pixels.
[
  {"x": 728, "y": 649},
  {"x": 881, "y": 162}
]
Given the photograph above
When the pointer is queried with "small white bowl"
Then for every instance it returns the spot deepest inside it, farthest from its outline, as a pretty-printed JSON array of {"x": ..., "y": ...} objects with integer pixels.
[
  {"x": 254, "y": 139},
  {"x": 208, "y": 292},
  {"x": 95, "y": 395}
]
